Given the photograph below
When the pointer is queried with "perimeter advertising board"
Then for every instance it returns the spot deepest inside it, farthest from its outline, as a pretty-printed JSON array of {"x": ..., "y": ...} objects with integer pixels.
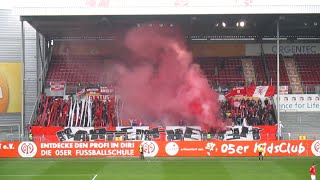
[
  {"x": 158, "y": 149},
  {"x": 299, "y": 102}
]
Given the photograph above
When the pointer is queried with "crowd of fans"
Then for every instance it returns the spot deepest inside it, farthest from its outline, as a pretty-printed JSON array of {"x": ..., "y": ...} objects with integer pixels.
[
  {"x": 56, "y": 111},
  {"x": 253, "y": 112}
]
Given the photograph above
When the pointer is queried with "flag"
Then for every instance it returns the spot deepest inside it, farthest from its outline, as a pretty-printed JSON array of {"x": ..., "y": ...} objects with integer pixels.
[
  {"x": 238, "y": 91},
  {"x": 89, "y": 112},
  {"x": 260, "y": 91},
  {"x": 70, "y": 114},
  {"x": 82, "y": 110},
  {"x": 78, "y": 114}
]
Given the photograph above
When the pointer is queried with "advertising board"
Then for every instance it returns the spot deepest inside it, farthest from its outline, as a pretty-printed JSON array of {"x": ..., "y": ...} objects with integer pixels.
[
  {"x": 299, "y": 102},
  {"x": 158, "y": 149}
]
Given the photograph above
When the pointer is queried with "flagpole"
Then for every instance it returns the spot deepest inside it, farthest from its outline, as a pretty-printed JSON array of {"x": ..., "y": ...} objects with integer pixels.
[
  {"x": 77, "y": 113},
  {"x": 89, "y": 111},
  {"x": 278, "y": 80}
]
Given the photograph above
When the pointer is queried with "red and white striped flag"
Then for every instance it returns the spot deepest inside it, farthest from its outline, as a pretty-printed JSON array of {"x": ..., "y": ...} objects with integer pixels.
[{"x": 260, "y": 91}]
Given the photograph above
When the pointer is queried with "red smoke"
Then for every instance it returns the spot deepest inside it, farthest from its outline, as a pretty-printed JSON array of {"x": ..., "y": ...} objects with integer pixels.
[{"x": 159, "y": 83}]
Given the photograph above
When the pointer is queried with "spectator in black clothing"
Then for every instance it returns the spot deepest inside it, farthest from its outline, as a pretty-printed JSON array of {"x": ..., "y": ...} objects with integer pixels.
[
  {"x": 266, "y": 101},
  {"x": 104, "y": 112}
]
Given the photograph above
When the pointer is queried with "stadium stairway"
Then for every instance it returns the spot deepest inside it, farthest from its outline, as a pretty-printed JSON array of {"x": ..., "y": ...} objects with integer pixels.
[
  {"x": 293, "y": 76},
  {"x": 248, "y": 71},
  {"x": 300, "y": 124}
]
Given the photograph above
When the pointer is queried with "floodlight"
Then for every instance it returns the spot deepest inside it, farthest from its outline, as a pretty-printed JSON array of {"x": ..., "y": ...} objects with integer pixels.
[{"x": 242, "y": 24}]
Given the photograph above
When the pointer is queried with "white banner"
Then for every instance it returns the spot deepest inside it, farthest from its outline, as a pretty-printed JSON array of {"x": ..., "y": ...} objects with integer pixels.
[
  {"x": 299, "y": 102},
  {"x": 285, "y": 49},
  {"x": 57, "y": 86}
]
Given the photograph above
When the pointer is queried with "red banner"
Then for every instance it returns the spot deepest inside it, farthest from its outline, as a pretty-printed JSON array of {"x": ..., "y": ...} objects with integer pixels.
[
  {"x": 57, "y": 86},
  {"x": 239, "y": 91},
  {"x": 268, "y": 132},
  {"x": 158, "y": 149}
]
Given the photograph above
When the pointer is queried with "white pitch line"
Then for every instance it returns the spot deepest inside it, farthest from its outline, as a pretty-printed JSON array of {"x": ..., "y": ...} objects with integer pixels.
[{"x": 94, "y": 177}]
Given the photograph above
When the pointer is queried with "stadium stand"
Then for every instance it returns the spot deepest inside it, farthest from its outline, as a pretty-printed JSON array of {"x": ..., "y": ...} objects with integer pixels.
[
  {"x": 75, "y": 69},
  {"x": 225, "y": 71},
  {"x": 272, "y": 67},
  {"x": 259, "y": 70},
  {"x": 309, "y": 73},
  {"x": 220, "y": 71}
]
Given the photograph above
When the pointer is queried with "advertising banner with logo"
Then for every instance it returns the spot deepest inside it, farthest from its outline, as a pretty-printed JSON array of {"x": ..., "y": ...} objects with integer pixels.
[
  {"x": 158, "y": 149},
  {"x": 299, "y": 102},
  {"x": 10, "y": 87},
  {"x": 285, "y": 49}
]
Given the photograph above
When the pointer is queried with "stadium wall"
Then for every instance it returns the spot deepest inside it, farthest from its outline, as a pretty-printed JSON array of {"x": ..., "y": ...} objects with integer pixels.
[{"x": 10, "y": 52}]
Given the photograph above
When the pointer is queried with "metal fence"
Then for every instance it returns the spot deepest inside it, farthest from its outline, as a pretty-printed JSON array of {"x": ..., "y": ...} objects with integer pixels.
[
  {"x": 10, "y": 132},
  {"x": 300, "y": 136},
  {"x": 300, "y": 125}
]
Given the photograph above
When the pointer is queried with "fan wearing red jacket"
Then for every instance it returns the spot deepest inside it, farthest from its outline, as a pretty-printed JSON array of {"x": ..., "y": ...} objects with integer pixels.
[{"x": 312, "y": 171}]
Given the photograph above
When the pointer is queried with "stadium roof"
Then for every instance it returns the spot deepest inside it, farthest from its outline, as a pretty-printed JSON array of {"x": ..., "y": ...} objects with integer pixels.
[{"x": 195, "y": 26}]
